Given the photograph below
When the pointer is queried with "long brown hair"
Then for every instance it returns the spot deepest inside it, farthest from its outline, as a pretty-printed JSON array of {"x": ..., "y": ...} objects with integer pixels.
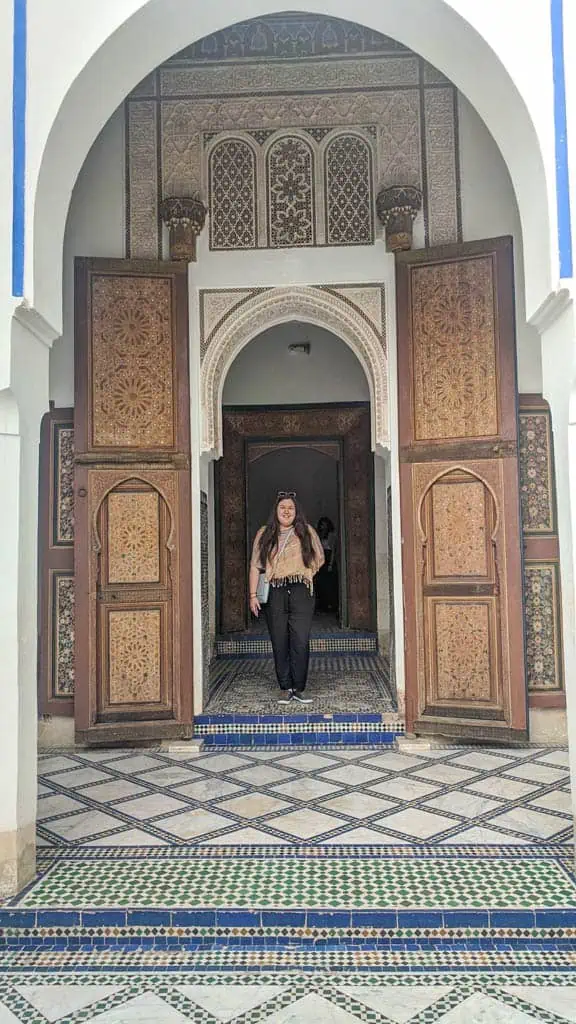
[{"x": 269, "y": 539}]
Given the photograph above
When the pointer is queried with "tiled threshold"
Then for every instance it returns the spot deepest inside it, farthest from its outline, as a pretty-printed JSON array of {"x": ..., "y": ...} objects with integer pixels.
[
  {"x": 337, "y": 641},
  {"x": 225, "y": 730}
]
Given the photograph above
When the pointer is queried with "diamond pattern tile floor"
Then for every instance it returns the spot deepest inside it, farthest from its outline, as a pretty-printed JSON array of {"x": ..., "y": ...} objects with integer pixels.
[
  {"x": 351, "y": 775},
  {"x": 416, "y": 823},
  {"x": 304, "y": 823},
  {"x": 358, "y": 805},
  {"x": 449, "y": 795},
  {"x": 320, "y": 829},
  {"x": 253, "y": 805}
]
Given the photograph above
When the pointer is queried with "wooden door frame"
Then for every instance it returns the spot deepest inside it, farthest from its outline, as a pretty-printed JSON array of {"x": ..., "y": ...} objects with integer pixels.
[{"x": 348, "y": 422}]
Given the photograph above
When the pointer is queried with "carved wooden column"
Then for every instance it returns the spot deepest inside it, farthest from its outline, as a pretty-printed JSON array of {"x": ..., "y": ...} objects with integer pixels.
[
  {"x": 185, "y": 219},
  {"x": 397, "y": 208}
]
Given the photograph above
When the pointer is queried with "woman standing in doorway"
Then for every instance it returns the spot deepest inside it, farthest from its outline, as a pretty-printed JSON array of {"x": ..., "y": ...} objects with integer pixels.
[{"x": 288, "y": 553}]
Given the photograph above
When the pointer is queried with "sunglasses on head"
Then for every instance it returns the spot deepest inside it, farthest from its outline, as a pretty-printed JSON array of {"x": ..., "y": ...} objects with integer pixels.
[{"x": 286, "y": 494}]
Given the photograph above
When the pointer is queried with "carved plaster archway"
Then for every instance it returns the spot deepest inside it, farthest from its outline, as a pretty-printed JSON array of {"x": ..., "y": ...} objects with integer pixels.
[{"x": 230, "y": 319}]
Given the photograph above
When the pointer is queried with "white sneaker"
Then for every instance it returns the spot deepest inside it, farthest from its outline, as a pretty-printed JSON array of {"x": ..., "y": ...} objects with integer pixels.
[{"x": 300, "y": 698}]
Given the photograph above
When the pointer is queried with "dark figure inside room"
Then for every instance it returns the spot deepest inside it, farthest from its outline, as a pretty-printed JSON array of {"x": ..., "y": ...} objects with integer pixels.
[
  {"x": 286, "y": 557},
  {"x": 327, "y": 579}
]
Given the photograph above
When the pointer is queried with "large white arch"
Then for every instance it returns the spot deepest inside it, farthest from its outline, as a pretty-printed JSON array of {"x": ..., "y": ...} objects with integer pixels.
[
  {"x": 119, "y": 51},
  {"x": 315, "y": 305}
]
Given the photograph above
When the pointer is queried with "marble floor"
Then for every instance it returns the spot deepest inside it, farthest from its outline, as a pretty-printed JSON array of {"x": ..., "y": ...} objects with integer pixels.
[{"x": 268, "y": 886}]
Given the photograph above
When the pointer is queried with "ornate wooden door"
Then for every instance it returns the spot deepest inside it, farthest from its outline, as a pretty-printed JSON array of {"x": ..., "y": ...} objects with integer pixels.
[
  {"x": 132, "y": 502},
  {"x": 461, "y": 537}
]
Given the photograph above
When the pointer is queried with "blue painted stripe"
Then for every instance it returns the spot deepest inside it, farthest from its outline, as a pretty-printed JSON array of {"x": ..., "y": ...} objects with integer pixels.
[
  {"x": 561, "y": 140},
  {"x": 18, "y": 146}
]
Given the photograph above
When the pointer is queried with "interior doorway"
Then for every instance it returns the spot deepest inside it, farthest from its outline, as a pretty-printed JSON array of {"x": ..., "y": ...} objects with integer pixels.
[
  {"x": 297, "y": 416},
  {"x": 310, "y": 469},
  {"x": 336, "y": 439},
  {"x": 324, "y": 454}
]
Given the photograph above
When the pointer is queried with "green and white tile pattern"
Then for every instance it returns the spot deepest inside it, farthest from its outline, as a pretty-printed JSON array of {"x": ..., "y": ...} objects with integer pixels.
[
  {"x": 341, "y": 884},
  {"x": 452, "y": 998}
]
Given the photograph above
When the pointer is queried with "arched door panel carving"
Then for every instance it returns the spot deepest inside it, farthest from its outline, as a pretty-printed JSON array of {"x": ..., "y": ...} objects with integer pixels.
[
  {"x": 135, "y": 603},
  {"x": 460, "y": 606},
  {"x": 459, "y": 490}
]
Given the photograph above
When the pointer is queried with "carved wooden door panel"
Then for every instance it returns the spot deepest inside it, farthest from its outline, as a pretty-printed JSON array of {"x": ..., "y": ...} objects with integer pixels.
[
  {"x": 461, "y": 538},
  {"x": 56, "y": 565},
  {"x": 132, "y": 502}
]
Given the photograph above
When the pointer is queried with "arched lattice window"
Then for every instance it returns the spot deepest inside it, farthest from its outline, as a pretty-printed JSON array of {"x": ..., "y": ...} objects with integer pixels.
[
  {"x": 349, "y": 205},
  {"x": 232, "y": 196},
  {"x": 290, "y": 191}
]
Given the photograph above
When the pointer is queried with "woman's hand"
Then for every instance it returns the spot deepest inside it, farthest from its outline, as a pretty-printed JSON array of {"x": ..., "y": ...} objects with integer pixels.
[{"x": 254, "y": 605}]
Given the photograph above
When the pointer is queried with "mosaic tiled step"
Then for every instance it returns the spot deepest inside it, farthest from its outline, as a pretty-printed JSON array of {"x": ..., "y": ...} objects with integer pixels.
[
  {"x": 257, "y": 645},
  {"x": 297, "y": 730},
  {"x": 266, "y": 929},
  {"x": 545, "y": 967},
  {"x": 271, "y": 882}
]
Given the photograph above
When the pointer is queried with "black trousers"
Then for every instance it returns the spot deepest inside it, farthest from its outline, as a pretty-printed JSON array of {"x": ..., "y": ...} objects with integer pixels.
[{"x": 289, "y": 612}]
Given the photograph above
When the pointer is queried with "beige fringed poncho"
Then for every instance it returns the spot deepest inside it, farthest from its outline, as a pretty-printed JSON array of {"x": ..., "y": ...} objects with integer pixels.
[{"x": 289, "y": 566}]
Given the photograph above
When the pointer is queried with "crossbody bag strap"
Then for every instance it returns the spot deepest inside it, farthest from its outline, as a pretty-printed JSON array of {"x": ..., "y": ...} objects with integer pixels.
[{"x": 281, "y": 550}]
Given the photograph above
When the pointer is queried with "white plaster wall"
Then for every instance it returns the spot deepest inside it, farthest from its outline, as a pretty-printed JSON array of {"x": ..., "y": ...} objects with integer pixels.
[
  {"x": 267, "y": 373},
  {"x": 9, "y": 467},
  {"x": 95, "y": 227}
]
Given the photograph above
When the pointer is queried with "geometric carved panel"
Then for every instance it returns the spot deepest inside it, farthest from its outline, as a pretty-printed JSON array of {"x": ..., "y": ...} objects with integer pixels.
[
  {"x": 56, "y": 564},
  {"x": 133, "y": 537},
  {"x": 63, "y": 507},
  {"x": 132, "y": 362},
  {"x": 542, "y": 591},
  {"x": 464, "y": 643},
  {"x": 290, "y": 193},
  {"x": 459, "y": 526},
  {"x": 455, "y": 380},
  {"x": 232, "y": 196},
  {"x": 134, "y": 650},
  {"x": 348, "y": 184},
  {"x": 305, "y": 74},
  {"x": 543, "y": 635},
  {"x": 536, "y": 478},
  {"x": 62, "y": 660}
]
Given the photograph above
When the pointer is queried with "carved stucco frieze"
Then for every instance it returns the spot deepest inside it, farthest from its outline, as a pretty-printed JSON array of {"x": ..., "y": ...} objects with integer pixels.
[
  {"x": 266, "y": 308},
  {"x": 412, "y": 118}
]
